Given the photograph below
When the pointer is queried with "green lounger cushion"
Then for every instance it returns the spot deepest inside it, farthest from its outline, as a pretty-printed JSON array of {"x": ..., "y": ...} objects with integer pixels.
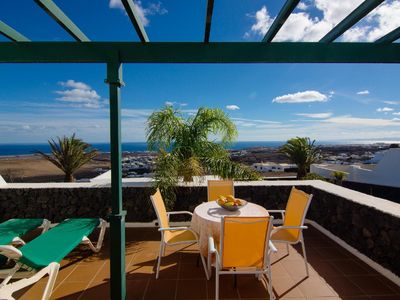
[
  {"x": 55, "y": 244},
  {"x": 17, "y": 228}
]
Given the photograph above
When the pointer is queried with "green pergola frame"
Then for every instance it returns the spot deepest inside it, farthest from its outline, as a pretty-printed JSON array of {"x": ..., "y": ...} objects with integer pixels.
[{"x": 113, "y": 54}]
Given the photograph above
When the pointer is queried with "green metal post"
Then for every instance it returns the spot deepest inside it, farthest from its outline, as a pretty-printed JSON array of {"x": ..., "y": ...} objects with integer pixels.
[{"x": 117, "y": 217}]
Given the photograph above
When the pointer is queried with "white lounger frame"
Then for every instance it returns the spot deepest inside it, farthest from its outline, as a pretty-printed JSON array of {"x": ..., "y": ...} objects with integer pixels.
[
  {"x": 259, "y": 273},
  {"x": 17, "y": 241},
  {"x": 32, "y": 276}
]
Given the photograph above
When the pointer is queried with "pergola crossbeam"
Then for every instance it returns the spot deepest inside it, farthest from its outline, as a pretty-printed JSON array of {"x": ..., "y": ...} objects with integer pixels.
[
  {"x": 356, "y": 15},
  {"x": 191, "y": 52},
  {"x": 135, "y": 19},
  {"x": 11, "y": 33},
  {"x": 390, "y": 37},
  {"x": 284, "y": 13},
  {"x": 61, "y": 18},
  {"x": 210, "y": 8}
]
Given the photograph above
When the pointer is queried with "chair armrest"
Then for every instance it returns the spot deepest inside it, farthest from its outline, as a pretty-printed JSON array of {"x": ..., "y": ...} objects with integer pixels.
[
  {"x": 179, "y": 212},
  {"x": 272, "y": 247},
  {"x": 276, "y": 211},
  {"x": 173, "y": 228},
  {"x": 211, "y": 245},
  {"x": 10, "y": 252},
  {"x": 289, "y": 227}
]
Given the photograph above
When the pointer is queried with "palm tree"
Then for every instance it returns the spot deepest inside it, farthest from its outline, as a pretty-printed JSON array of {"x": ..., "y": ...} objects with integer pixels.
[
  {"x": 302, "y": 152},
  {"x": 185, "y": 149},
  {"x": 69, "y": 154}
]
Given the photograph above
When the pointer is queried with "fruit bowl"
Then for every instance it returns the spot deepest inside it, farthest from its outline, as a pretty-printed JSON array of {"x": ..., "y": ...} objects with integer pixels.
[{"x": 230, "y": 203}]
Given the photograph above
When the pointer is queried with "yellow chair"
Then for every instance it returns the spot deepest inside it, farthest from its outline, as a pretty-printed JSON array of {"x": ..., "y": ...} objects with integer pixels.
[
  {"x": 291, "y": 232},
  {"x": 216, "y": 188},
  {"x": 240, "y": 252},
  {"x": 172, "y": 235}
]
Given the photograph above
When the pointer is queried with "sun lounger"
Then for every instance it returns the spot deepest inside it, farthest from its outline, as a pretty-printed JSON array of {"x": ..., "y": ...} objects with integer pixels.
[
  {"x": 42, "y": 255},
  {"x": 12, "y": 230}
]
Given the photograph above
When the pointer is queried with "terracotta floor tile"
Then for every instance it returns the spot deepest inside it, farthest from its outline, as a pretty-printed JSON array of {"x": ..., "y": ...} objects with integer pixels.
[
  {"x": 313, "y": 287},
  {"x": 333, "y": 253},
  {"x": 34, "y": 291},
  {"x": 141, "y": 272},
  {"x": 251, "y": 287},
  {"x": 372, "y": 285},
  {"x": 278, "y": 270},
  {"x": 161, "y": 289},
  {"x": 226, "y": 288},
  {"x": 85, "y": 273},
  {"x": 69, "y": 290},
  {"x": 325, "y": 268},
  {"x": 343, "y": 286},
  {"x": 169, "y": 271},
  {"x": 298, "y": 268},
  {"x": 286, "y": 287},
  {"x": 98, "y": 291},
  {"x": 135, "y": 289},
  {"x": 189, "y": 271},
  {"x": 349, "y": 267},
  {"x": 192, "y": 289}
]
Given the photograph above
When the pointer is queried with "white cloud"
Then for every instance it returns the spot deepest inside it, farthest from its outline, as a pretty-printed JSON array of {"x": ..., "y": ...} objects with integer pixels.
[
  {"x": 378, "y": 22},
  {"x": 301, "y": 97},
  {"x": 232, "y": 107},
  {"x": 302, "y": 6},
  {"x": 78, "y": 93},
  {"x": 316, "y": 116},
  {"x": 172, "y": 103},
  {"x": 364, "y": 92},
  {"x": 392, "y": 102},
  {"x": 353, "y": 121},
  {"x": 384, "y": 109},
  {"x": 302, "y": 26},
  {"x": 143, "y": 12}
]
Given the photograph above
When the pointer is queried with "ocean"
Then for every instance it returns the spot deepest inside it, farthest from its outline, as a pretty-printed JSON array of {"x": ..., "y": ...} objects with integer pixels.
[{"x": 29, "y": 149}]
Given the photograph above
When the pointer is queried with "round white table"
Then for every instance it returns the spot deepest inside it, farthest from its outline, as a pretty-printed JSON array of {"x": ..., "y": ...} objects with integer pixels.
[{"x": 206, "y": 220}]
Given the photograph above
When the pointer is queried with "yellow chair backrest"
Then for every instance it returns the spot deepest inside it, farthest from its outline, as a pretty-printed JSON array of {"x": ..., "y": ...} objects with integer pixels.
[
  {"x": 296, "y": 210},
  {"x": 244, "y": 241},
  {"x": 159, "y": 207},
  {"x": 216, "y": 188}
]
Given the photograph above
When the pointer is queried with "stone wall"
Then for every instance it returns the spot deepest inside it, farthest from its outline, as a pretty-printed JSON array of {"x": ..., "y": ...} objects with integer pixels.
[{"x": 371, "y": 225}]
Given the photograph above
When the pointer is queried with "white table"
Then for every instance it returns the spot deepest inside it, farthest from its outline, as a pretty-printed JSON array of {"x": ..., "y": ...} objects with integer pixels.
[{"x": 206, "y": 220}]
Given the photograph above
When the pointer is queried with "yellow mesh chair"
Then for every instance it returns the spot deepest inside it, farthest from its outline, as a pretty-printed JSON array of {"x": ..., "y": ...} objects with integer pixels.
[
  {"x": 291, "y": 232},
  {"x": 216, "y": 188},
  {"x": 244, "y": 249},
  {"x": 172, "y": 235}
]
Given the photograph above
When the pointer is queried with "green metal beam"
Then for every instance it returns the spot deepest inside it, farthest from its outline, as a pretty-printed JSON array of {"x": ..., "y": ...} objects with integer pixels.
[
  {"x": 356, "y": 15},
  {"x": 130, "y": 52},
  {"x": 210, "y": 8},
  {"x": 285, "y": 12},
  {"x": 117, "y": 216},
  {"x": 135, "y": 19},
  {"x": 390, "y": 37},
  {"x": 11, "y": 33},
  {"x": 58, "y": 15}
]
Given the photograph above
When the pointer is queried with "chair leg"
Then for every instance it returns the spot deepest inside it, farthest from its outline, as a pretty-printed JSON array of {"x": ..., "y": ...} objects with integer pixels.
[
  {"x": 162, "y": 248},
  {"x": 205, "y": 266},
  {"x": 270, "y": 291},
  {"x": 305, "y": 256},
  {"x": 216, "y": 284}
]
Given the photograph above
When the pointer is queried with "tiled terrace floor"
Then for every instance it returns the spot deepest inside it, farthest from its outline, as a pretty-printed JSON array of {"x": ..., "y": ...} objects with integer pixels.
[{"x": 334, "y": 274}]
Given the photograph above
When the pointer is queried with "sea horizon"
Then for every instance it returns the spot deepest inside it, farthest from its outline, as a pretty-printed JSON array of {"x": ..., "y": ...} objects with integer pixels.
[{"x": 15, "y": 149}]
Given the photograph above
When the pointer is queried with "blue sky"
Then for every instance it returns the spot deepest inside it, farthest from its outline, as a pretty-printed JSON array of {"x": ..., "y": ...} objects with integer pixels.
[{"x": 267, "y": 102}]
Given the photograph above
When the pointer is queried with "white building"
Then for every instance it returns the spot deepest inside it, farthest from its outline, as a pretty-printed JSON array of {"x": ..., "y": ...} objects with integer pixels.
[
  {"x": 272, "y": 167},
  {"x": 386, "y": 172}
]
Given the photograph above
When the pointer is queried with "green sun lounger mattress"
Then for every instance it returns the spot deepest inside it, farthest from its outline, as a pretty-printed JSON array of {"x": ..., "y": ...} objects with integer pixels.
[
  {"x": 17, "y": 228},
  {"x": 56, "y": 243}
]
